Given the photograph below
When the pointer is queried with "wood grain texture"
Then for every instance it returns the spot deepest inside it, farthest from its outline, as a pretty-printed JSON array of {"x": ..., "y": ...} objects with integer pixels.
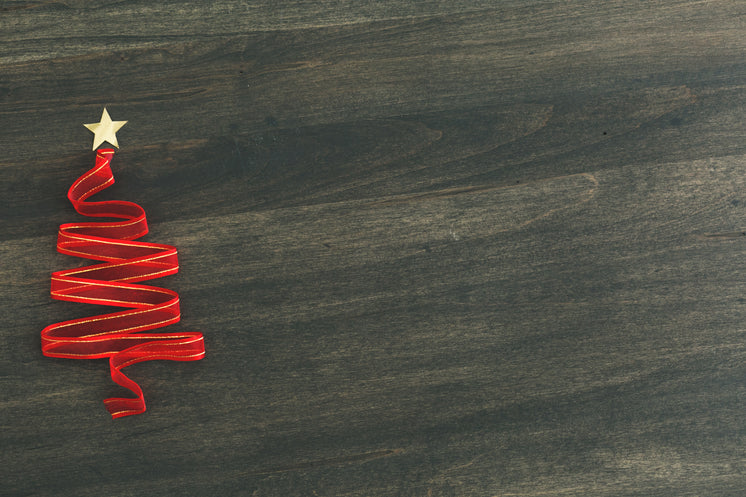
[{"x": 464, "y": 248}]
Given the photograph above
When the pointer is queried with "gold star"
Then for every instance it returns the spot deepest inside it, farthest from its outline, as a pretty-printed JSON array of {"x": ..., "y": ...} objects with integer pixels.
[{"x": 105, "y": 130}]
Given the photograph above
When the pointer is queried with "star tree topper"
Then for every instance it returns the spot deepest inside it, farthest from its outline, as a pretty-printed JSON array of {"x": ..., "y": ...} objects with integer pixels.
[{"x": 105, "y": 130}]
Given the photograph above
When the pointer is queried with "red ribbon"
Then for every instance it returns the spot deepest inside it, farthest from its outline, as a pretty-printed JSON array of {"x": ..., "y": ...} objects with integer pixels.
[{"x": 119, "y": 335}]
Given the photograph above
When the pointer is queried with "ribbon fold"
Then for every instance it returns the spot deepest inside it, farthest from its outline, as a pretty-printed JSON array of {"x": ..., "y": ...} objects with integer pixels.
[{"x": 119, "y": 335}]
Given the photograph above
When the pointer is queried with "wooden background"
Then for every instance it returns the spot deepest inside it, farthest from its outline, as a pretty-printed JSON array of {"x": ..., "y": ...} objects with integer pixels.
[{"x": 463, "y": 248}]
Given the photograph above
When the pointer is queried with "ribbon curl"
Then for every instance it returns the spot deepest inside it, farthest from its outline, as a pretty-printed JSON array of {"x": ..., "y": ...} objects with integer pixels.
[{"x": 119, "y": 335}]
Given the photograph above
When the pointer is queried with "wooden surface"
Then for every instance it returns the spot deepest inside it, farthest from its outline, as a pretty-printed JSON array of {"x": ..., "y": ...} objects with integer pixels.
[{"x": 465, "y": 248}]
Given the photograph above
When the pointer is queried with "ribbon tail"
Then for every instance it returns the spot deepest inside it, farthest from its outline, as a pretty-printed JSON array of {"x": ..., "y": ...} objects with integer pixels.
[{"x": 189, "y": 348}]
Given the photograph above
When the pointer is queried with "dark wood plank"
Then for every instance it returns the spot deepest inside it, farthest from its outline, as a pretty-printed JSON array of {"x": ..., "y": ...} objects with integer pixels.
[{"x": 436, "y": 248}]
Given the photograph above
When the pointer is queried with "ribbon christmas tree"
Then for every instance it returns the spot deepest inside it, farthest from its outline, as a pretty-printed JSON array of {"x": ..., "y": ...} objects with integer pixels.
[{"x": 119, "y": 336}]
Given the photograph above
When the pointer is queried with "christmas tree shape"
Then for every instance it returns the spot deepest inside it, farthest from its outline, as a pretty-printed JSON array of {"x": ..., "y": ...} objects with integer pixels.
[{"x": 119, "y": 336}]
